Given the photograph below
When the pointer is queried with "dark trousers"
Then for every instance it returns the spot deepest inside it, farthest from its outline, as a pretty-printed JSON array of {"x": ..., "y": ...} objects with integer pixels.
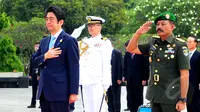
[
  {"x": 194, "y": 106},
  {"x": 34, "y": 90},
  {"x": 158, "y": 107},
  {"x": 71, "y": 106},
  {"x": 53, "y": 106},
  {"x": 135, "y": 93},
  {"x": 128, "y": 98},
  {"x": 114, "y": 98}
]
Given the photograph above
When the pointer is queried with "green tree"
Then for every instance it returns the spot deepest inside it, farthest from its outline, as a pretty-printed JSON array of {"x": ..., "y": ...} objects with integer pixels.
[
  {"x": 25, "y": 34},
  {"x": 24, "y": 10},
  {"x": 186, "y": 12},
  {"x": 113, "y": 11},
  {"x": 5, "y": 21},
  {"x": 76, "y": 11},
  {"x": 8, "y": 58}
]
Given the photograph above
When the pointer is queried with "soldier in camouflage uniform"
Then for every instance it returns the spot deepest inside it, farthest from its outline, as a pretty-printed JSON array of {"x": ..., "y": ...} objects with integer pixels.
[{"x": 168, "y": 57}]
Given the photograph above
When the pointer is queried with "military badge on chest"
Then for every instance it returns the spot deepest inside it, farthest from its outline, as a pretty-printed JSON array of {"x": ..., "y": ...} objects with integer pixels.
[
  {"x": 150, "y": 57},
  {"x": 97, "y": 45},
  {"x": 152, "y": 52},
  {"x": 169, "y": 52}
]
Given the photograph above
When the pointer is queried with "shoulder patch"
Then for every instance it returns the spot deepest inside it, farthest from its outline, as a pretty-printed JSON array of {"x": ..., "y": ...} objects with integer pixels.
[
  {"x": 181, "y": 40},
  {"x": 185, "y": 51}
]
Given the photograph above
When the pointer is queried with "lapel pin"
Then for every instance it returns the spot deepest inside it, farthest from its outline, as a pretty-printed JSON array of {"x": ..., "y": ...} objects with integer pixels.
[{"x": 61, "y": 40}]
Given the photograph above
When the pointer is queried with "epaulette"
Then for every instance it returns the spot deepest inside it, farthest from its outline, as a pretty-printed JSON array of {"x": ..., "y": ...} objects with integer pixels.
[
  {"x": 104, "y": 38},
  {"x": 155, "y": 36},
  {"x": 181, "y": 40}
]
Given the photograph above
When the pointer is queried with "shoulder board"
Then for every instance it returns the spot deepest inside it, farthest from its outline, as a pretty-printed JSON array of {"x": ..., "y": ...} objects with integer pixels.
[
  {"x": 104, "y": 38},
  {"x": 155, "y": 36},
  {"x": 179, "y": 39}
]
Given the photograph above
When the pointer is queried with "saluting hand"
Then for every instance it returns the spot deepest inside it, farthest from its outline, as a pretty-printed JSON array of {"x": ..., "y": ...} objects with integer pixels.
[
  {"x": 144, "y": 28},
  {"x": 52, "y": 53}
]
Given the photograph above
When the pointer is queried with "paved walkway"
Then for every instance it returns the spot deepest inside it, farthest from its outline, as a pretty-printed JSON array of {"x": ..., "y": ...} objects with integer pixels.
[{"x": 17, "y": 100}]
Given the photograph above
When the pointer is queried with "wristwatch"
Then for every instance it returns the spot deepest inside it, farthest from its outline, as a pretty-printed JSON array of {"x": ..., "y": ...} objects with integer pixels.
[{"x": 183, "y": 99}]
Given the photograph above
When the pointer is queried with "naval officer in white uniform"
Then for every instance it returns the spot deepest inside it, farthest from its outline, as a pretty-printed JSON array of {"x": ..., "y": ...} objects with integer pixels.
[{"x": 95, "y": 66}]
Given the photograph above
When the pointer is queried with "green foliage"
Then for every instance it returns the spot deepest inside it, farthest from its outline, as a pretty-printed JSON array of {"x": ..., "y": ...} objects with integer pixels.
[
  {"x": 186, "y": 12},
  {"x": 113, "y": 11},
  {"x": 24, "y": 10},
  {"x": 5, "y": 21},
  {"x": 8, "y": 58},
  {"x": 25, "y": 34},
  {"x": 123, "y": 18},
  {"x": 77, "y": 11}
]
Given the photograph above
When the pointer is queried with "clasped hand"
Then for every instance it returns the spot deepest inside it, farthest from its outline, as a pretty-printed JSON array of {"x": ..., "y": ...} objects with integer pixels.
[{"x": 52, "y": 53}]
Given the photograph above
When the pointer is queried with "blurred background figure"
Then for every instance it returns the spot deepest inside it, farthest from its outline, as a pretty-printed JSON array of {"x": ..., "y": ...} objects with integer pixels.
[
  {"x": 34, "y": 76},
  {"x": 194, "y": 77},
  {"x": 136, "y": 74},
  {"x": 114, "y": 91}
]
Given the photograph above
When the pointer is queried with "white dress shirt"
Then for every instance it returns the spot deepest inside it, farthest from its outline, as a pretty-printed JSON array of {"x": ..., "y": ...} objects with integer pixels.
[
  {"x": 57, "y": 34},
  {"x": 191, "y": 53}
]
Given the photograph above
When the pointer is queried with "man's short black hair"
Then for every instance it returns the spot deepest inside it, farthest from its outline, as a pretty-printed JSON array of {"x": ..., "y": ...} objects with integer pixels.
[
  {"x": 59, "y": 13},
  {"x": 194, "y": 37}
]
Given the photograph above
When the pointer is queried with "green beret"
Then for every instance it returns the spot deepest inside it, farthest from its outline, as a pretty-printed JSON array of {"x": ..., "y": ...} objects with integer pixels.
[{"x": 165, "y": 16}]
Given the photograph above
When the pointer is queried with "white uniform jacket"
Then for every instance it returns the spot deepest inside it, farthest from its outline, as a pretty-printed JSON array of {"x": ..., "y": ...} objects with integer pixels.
[{"x": 95, "y": 66}]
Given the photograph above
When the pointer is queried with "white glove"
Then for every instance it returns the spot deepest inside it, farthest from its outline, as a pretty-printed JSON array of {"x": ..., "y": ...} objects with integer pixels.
[{"x": 105, "y": 87}]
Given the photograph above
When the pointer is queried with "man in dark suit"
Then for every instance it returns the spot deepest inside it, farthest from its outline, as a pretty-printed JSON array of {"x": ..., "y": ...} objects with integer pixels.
[
  {"x": 114, "y": 91},
  {"x": 33, "y": 75},
  {"x": 136, "y": 72},
  {"x": 58, "y": 59},
  {"x": 194, "y": 72}
]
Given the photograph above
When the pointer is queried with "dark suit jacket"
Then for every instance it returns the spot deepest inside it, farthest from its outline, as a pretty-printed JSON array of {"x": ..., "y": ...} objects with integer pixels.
[
  {"x": 194, "y": 72},
  {"x": 194, "y": 78},
  {"x": 59, "y": 77},
  {"x": 116, "y": 66},
  {"x": 33, "y": 72},
  {"x": 136, "y": 69}
]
